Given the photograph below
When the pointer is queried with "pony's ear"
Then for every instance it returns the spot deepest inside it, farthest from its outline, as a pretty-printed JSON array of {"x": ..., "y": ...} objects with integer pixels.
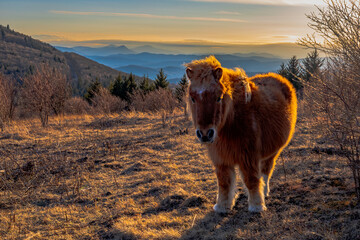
[
  {"x": 247, "y": 91},
  {"x": 218, "y": 73},
  {"x": 189, "y": 73}
]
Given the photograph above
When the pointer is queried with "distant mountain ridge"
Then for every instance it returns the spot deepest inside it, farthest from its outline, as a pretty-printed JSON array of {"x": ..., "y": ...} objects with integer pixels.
[
  {"x": 20, "y": 54},
  {"x": 149, "y": 64},
  {"x": 149, "y": 49},
  {"x": 97, "y": 51}
]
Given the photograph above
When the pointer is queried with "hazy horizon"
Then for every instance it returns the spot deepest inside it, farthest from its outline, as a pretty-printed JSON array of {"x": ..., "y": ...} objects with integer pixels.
[
  {"x": 280, "y": 50},
  {"x": 225, "y": 22}
]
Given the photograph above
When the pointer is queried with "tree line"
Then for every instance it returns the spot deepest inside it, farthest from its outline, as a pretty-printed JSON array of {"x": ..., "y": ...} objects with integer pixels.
[
  {"x": 125, "y": 87},
  {"x": 299, "y": 72},
  {"x": 47, "y": 91}
]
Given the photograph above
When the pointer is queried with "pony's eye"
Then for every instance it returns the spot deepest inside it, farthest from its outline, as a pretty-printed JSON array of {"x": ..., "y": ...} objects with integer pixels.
[
  {"x": 219, "y": 99},
  {"x": 193, "y": 100}
]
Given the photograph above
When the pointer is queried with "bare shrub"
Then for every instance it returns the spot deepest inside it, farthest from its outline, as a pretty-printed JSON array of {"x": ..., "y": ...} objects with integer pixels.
[
  {"x": 8, "y": 94},
  {"x": 154, "y": 101},
  {"x": 105, "y": 102},
  {"x": 160, "y": 101},
  {"x": 335, "y": 94},
  {"x": 76, "y": 105},
  {"x": 181, "y": 93},
  {"x": 45, "y": 91}
]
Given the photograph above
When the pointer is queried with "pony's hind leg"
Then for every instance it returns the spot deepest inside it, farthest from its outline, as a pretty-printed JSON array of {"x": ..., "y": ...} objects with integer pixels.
[
  {"x": 267, "y": 168},
  {"x": 226, "y": 188}
]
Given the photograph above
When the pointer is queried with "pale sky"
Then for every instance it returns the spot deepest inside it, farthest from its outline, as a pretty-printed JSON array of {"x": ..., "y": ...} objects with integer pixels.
[{"x": 227, "y": 21}]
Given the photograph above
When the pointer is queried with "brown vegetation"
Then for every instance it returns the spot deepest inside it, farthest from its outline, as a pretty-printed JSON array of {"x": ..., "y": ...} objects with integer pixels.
[
  {"x": 159, "y": 101},
  {"x": 77, "y": 106},
  {"x": 334, "y": 94},
  {"x": 8, "y": 97},
  {"x": 45, "y": 91},
  {"x": 104, "y": 102},
  {"x": 126, "y": 177}
]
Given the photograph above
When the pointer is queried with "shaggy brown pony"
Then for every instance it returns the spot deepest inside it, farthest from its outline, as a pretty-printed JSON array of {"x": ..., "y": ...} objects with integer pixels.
[{"x": 244, "y": 122}]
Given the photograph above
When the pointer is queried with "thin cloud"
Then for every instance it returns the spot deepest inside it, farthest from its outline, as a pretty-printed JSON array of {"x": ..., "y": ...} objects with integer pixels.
[
  {"x": 269, "y": 2},
  {"x": 227, "y": 13},
  {"x": 144, "y": 15},
  {"x": 49, "y": 37}
]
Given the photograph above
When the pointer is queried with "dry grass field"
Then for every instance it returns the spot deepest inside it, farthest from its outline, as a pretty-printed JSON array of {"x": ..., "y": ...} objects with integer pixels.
[{"x": 129, "y": 177}]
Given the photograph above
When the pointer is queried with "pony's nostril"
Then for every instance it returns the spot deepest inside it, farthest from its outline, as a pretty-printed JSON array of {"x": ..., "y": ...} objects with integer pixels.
[
  {"x": 210, "y": 133},
  {"x": 198, "y": 133}
]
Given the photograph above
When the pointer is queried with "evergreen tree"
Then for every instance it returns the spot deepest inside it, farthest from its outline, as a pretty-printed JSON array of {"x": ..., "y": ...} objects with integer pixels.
[
  {"x": 116, "y": 86},
  {"x": 312, "y": 65},
  {"x": 160, "y": 80},
  {"x": 78, "y": 87},
  {"x": 124, "y": 88},
  {"x": 92, "y": 90},
  {"x": 294, "y": 72},
  {"x": 181, "y": 89},
  {"x": 145, "y": 85},
  {"x": 131, "y": 84},
  {"x": 81, "y": 86},
  {"x": 282, "y": 71}
]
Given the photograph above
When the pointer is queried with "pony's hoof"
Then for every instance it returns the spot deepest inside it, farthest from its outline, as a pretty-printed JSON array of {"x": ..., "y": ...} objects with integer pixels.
[
  {"x": 257, "y": 208},
  {"x": 220, "y": 209},
  {"x": 266, "y": 191},
  {"x": 267, "y": 194}
]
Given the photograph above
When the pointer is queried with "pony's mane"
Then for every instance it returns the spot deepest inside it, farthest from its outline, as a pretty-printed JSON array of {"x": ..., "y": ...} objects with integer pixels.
[{"x": 205, "y": 67}]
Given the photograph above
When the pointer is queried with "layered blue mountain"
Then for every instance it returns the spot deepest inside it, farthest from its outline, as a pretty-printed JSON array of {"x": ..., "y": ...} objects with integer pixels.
[
  {"x": 99, "y": 51},
  {"x": 149, "y": 64},
  {"x": 148, "y": 60}
]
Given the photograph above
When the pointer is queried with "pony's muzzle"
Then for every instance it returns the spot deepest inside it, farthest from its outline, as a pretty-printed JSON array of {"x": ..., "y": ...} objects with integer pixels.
[{"x": 206, "y": 138}]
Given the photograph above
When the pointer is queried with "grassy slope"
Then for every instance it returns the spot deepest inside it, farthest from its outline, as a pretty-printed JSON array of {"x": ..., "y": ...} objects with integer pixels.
[
  {"x": 19, "y": 52},
  {"x": 128, "y": 177}
]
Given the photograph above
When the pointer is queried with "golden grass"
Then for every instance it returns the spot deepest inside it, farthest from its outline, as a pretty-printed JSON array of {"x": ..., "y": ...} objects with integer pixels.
[{"x": 128, "y": 177}]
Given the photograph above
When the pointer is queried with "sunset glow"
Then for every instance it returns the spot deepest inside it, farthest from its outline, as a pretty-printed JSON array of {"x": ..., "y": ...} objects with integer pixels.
[{"x": 229, "y": 21}]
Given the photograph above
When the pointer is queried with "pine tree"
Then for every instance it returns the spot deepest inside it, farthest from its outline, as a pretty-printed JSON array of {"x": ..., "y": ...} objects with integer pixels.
[
  {"x": 181, "y": 89},
  {"x": 131, "y": 84},
  {"x": 282, "y": 71},
  {"x": 294, "y": 72},
  {"x": 116, "y": 86},
  {"x": 124, "y": 88},
  {"x": 145, "y": 85},
  {"x": 78, "y": 87},
  {"x": 160, "y": 81},
  {"x": 312, "y": 65},
  {"x": 92, "y": 90}
]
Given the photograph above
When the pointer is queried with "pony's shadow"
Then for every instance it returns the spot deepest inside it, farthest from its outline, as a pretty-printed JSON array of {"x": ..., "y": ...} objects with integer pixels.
[{"x": 223, "y": 226}]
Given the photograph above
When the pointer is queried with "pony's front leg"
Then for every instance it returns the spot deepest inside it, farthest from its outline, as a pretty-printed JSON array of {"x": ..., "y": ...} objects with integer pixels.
[
  {"x": 254, "y": 185},
  {"x": 226, "y": 188}
]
